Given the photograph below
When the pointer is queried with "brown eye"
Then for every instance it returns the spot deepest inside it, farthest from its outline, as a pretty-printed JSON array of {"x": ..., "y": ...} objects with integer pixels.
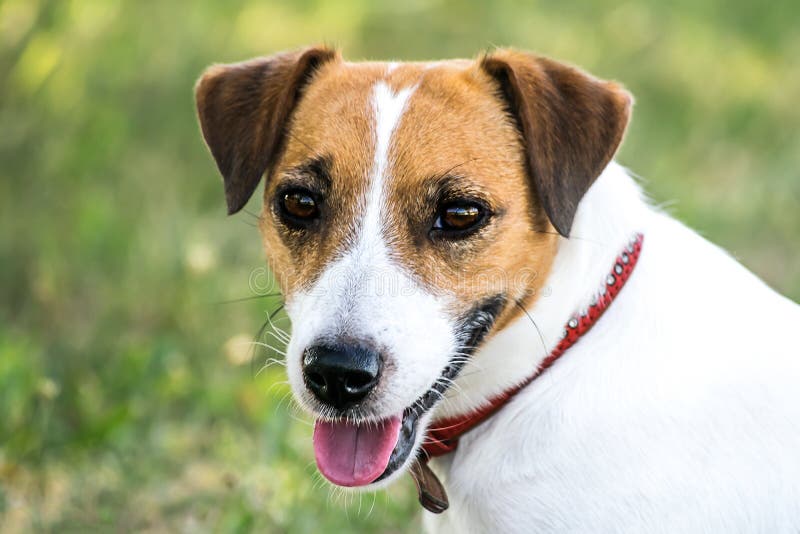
[
  {"x": 300, "y": 205},
  {"x": 459, "y": 218}
]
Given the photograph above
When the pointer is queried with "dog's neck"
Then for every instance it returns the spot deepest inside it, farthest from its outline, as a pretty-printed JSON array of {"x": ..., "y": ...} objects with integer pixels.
[{"x": 609, "y": 214}]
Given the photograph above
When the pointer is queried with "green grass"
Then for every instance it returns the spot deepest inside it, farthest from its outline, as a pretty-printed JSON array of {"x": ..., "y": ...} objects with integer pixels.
[{"x": 125, "y": 401}]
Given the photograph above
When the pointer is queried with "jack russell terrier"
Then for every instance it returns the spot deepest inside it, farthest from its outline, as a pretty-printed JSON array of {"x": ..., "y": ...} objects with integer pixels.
[{"x": 482, "y": 298}]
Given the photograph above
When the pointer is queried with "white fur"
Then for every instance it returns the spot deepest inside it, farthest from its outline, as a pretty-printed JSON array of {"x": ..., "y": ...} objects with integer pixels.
[
  {"x": 678, "y": 412},
  {"x": 361, "y": 295}
]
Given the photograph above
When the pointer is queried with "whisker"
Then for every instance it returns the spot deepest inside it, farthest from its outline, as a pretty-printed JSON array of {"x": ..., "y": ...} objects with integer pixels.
[
  {"x": 454, "y": 167},
  {"x": 290, "y": 134},
  {"x": 273, "y": 361},
  {"x": 571, "y": 237},
  {"x": 270, "y": 362},
  {"x": 267, "y": 346},
  {"x": 250, "y": 213},
  {"x": 536, "y": 326},
  {"x": 374, "y": 498},
  {"x": 280, "y": 401},
  {"x": 301, "y": 421},
  {"x": 278, "y": 337},
  {"x": 275, "y": 327},
  {"x": 261, "y": 332},
  {"x": 244, "y": 299},
  {"x": 274, "y": 384}
]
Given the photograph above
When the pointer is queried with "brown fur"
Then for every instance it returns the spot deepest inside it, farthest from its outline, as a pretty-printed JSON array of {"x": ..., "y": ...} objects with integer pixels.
[
  {"x": 455, "y": 125},
  {"x": 243, "y": 109},
  {"x": 531, "y": 166},
  {"x": 332, "y": 120},
  {"x": 572, "y": 124}
]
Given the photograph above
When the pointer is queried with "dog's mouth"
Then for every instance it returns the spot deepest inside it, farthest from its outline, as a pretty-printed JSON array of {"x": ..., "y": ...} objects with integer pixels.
[
  {"x": 351, "y": 453},
  {"x": 356, "y": 454}
]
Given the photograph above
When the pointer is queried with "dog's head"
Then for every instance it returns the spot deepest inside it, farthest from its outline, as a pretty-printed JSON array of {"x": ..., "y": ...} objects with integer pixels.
[{"x": 410, "y": 211}]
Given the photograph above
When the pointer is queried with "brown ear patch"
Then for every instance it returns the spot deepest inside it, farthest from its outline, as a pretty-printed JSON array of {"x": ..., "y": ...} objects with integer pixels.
[
  {"x": 571, "y": 123},
  {"x": 243, "y": 110}
]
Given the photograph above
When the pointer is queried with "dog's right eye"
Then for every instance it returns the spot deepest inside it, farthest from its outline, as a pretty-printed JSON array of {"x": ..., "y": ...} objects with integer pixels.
[{"x": 299, "y": 205}]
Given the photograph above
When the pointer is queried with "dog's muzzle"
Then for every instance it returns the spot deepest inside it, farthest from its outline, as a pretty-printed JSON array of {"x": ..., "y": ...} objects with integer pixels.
[{"x": 352, "y": 452}]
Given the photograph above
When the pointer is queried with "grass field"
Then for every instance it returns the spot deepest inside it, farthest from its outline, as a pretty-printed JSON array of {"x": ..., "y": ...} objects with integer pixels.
[{"x": 128, "y": 396}]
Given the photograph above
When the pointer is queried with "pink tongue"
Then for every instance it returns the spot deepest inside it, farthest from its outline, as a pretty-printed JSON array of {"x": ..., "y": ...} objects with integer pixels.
[{"x": 354, "y": 455}]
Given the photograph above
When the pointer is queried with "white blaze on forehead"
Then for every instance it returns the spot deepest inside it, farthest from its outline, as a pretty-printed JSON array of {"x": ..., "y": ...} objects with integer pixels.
[{"x": 387, "y": 108}]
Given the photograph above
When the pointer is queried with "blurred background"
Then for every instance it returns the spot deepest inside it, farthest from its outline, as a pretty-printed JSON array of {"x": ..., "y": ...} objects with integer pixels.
[{"x": 129, "y": 396}]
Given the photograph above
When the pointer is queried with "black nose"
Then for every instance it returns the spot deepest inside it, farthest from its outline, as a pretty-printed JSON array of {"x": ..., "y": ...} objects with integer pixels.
[{"x": 341, "y": 376}]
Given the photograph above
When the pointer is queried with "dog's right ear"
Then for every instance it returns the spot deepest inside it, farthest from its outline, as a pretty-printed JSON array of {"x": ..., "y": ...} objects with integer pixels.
[{"x": 243, "y": 110}]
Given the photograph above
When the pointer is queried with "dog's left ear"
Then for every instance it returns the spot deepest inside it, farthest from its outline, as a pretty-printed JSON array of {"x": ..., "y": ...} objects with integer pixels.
[
  {"x": 571, "y": 124},
  {"x": 244, "y": 109}
]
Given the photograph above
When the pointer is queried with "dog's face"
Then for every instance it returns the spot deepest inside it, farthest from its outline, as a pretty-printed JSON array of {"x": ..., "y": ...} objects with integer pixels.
[{"x": 410, "y": 211}]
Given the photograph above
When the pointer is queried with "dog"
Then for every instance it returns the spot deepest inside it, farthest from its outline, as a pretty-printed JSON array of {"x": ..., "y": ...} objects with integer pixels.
[{"x": 482, "y": 297}]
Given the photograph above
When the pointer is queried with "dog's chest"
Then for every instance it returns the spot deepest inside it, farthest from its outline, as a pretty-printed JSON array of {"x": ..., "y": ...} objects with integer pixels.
[{"x": 614, "y": 465}]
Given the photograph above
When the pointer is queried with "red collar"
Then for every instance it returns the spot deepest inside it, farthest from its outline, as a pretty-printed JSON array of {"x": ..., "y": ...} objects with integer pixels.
[{"x": 442, "y": 438}]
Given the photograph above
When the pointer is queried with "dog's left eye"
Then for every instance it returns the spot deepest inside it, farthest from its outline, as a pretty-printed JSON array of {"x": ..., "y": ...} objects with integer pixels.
[{"x": 459, "y": 218}]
